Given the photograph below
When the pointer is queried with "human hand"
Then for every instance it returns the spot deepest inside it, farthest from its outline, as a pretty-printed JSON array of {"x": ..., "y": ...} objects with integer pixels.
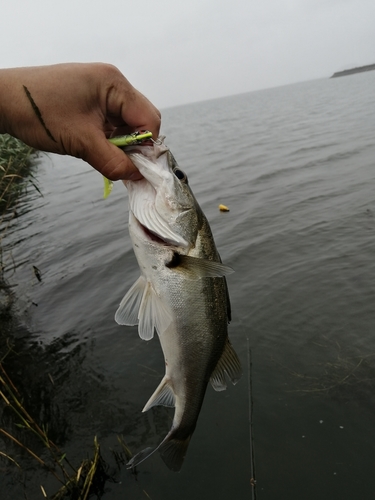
[{"x": 72, "y": 109}]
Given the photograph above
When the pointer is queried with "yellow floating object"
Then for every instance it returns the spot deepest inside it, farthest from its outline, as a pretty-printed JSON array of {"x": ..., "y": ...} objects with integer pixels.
[{"x": 223, "y": 208}]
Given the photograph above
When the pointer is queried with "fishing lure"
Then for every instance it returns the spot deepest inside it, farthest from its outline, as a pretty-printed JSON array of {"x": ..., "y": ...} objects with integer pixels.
[{"x": 121, "y": 141}]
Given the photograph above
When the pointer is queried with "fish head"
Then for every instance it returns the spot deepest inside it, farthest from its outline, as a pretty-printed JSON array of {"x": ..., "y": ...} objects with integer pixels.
[{"x": 162, "y": 201}]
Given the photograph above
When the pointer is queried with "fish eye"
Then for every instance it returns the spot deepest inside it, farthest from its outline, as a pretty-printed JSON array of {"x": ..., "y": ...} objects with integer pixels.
[{"x": 180, "y": 174}]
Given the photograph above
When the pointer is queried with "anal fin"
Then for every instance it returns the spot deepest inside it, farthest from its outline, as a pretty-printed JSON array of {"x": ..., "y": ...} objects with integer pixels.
[{"x": 163, "y": 396}]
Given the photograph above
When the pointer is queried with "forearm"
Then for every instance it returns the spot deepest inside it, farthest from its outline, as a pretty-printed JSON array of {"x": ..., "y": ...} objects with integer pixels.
[
  {"x": 13, "y": 101},
  {"x": 37, "y": 104}
]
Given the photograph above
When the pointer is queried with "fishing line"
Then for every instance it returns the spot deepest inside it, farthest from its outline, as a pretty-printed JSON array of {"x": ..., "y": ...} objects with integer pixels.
[{"x": 251, "y": 434}]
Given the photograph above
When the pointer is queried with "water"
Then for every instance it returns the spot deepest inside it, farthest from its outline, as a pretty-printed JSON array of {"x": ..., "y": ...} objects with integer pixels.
[{"x": 296, "y": 167}]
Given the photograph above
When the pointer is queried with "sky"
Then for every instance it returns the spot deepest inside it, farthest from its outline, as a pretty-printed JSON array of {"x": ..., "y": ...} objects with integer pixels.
[{"x": 183, "y": 52}]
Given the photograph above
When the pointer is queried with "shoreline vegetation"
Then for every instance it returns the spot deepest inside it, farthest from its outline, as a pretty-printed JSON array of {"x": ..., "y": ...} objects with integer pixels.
[
  {"x": 16, "y": 174},
  {"x": 15, "y": 162},
  {"x": 23, "y": 437},
  {"x": 352, "y": 71}
]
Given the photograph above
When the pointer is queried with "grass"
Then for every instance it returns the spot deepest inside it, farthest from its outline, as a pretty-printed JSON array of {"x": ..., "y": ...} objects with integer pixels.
[
  {"x": 76, "y": 483},
  {"x": 16, "y": 160},
  {"x": 26, "y": 444}
]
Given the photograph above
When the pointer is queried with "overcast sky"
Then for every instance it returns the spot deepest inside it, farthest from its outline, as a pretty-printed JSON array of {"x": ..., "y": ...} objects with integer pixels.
[{"x": 181, "y": 52}]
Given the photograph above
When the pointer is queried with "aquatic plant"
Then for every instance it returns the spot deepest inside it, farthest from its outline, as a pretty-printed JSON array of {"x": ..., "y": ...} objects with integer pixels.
[
  {"x": 346, "y": 373},
  {"x": 15, "y": 161},
  {"x": 16, "y": 174},
  {"x": 76, "y": 483},
  {"x": 22, "y": 434}
]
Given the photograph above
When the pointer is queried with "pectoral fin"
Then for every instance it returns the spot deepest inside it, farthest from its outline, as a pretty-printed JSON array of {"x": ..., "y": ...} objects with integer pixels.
[
  {"x": 229, "y": 364},
  {"x": 141, "y": 306},
  {"x": 127, "y": 312},
  {"x": 195, "y": 268}
]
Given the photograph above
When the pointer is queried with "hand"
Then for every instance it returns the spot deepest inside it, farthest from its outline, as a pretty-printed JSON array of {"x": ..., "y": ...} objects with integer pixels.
[{"x": 72, "y": 109}]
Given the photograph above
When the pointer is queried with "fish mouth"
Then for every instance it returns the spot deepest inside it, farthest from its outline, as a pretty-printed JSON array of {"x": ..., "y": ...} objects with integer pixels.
[
  {"x": 153, "y": 236},
  {"x": 168, "y": 238}
]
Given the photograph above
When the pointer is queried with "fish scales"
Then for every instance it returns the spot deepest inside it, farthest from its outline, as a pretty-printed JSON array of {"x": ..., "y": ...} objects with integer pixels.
[{"x": 181, "y": 293}]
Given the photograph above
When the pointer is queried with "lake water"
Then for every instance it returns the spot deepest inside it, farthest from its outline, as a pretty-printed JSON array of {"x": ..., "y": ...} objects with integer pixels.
[{"x": 296, "y": 167}]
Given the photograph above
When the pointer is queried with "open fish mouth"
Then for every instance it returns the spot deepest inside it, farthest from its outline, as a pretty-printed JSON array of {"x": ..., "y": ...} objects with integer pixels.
[
  {"x": 155, "y": 237},
  {"x": 156, "y": 230},
  {"x": 142, "y": 205}
]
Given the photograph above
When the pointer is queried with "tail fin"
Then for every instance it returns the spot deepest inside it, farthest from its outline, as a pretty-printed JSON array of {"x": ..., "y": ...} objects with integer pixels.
[{"x": 172, "y": 450}]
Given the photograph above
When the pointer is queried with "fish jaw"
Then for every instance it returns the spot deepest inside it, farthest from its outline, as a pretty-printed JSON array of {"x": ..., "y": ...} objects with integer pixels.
[
  {"x": 142, "y": 206},
  {"x": 160, "y": 201}
]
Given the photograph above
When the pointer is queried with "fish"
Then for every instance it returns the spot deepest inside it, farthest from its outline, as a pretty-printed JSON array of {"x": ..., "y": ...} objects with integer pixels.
[{"x": 181, "y": 294}]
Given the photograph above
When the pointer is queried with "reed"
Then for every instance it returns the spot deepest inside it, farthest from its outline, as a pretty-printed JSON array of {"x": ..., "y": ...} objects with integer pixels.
[
  {"x": 76, "y": 483},
  {"x": 15, "y": 161},
  {"x": 16, "y": 174}
]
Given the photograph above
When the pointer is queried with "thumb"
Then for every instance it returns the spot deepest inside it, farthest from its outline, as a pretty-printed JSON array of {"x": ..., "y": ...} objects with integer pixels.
[{"x": 110, "y": 160}]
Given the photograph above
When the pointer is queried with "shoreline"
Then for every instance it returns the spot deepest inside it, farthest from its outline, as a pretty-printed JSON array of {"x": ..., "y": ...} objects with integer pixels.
[{"x": 353, "y": 71}]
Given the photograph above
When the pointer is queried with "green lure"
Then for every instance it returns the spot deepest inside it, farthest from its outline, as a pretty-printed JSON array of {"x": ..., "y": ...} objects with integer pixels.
[{"x": 121, "y": 141}]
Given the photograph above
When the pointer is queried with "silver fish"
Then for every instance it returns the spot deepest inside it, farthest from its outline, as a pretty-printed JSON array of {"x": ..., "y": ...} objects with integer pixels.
[{"x": 181, "y": 293}]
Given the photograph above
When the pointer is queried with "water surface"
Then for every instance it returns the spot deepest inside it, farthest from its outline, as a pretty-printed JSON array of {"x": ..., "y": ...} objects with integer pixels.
[{"x": 296, "y": 167}]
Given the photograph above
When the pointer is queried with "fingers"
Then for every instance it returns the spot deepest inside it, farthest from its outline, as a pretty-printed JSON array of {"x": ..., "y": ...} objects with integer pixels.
[
  {"x": 130, "y": 111},
  {"x": 81, "y": 105},
  {"x": 113, "y": 163},
  {"x": 140, "y": 114},
  {"x": 108, "y": 159}
]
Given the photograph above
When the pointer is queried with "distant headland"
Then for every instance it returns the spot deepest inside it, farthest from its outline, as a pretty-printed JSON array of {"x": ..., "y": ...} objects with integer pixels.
[{"x": 352, "y": 71}]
